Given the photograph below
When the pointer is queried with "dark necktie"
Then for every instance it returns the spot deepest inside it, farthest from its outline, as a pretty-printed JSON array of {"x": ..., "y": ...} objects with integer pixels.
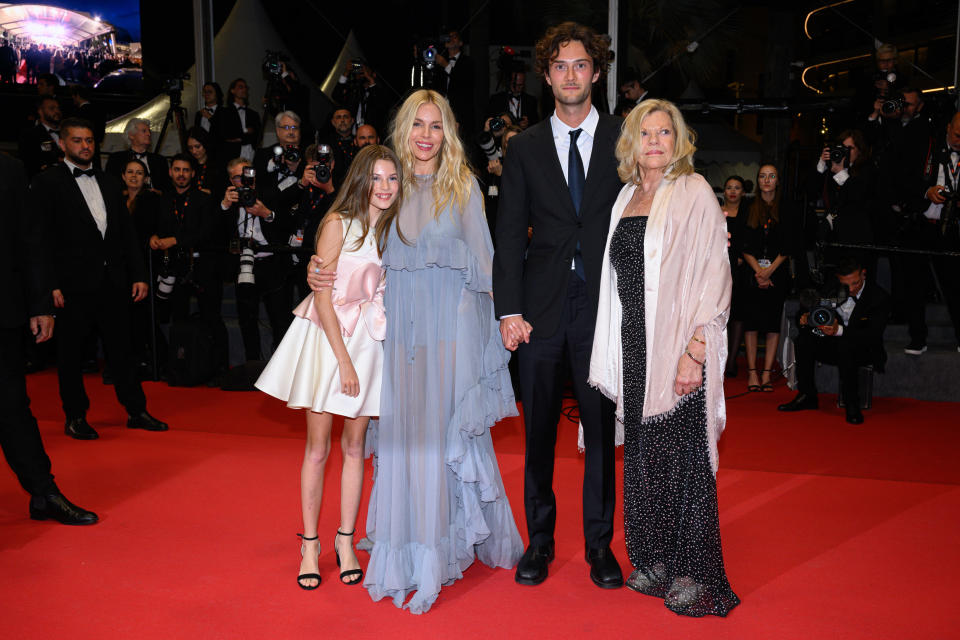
[
  {"x": 575, "y": 181},
  {"x": 77, "y": 172}
]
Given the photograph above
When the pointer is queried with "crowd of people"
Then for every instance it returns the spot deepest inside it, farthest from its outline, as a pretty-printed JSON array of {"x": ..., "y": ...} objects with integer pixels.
[
  {"x": 25, "y": 63},
  {"x": 590, "y": 247}
]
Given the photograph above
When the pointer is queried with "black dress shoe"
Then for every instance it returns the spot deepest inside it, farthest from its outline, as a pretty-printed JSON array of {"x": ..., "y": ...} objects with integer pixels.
[
  {"x": 532, "y": 568},
  {"x": 604, "y": 570},
  {"x": 854, "y": 415},
  {"x": 79, "y": 429},
  {"x": 55, "y": 506},
  {"x": 800, "y": 403},
  {"x": 144, "y": 420}
]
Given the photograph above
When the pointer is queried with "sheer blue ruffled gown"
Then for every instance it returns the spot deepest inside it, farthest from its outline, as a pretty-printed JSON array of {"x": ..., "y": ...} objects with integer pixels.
[{"x": 438, "y": 500}]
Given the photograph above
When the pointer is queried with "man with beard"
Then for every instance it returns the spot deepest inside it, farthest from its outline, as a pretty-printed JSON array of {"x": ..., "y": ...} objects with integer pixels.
[
  {"x": 366, "y": 134},
  {"x": 97, "y": 269},
  {"x": 342, "y": 143},
  {"x": 39, "y": 147}
]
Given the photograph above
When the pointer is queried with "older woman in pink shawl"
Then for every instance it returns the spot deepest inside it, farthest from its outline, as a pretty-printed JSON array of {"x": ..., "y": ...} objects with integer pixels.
[{"x": 658, "y": 352}]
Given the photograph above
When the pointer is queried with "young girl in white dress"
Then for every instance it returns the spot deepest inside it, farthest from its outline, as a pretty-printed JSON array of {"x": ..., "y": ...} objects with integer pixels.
[{"x": 330, "y": 361}]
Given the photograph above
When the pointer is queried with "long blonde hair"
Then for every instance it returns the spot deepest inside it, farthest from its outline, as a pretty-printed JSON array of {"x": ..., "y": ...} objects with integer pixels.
[
  {"x": 681, "y": 163},
  {"x": 353, "y": 200},
  {"x": 453, "y": 181}
]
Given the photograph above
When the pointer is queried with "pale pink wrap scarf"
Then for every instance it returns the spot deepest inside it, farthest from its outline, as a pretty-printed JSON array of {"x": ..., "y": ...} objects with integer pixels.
[{"x": 687, "y": 284}]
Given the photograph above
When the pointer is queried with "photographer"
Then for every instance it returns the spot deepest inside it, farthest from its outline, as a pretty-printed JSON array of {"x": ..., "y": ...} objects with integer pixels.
[
  {"x": 488, "y": 152},
  {"x": 39, "y": 144},
  {"x": 848, "y": 189},
  {"x": 284, "y": 90},
  {"x": 521, "y": 106},
  {"x": 260, "y": 273},
  {"x": 877, "y": 85},
  {"x": 358, "y": 92},
  {"x": 281, "y": 165},
  {"x": 317, "y": 195},
  {"x": 850, "y": 339},
  {"x": 341, "y": 140},
  {"x": 459, "y": 71},
  {"x": 936, "y": 228}
]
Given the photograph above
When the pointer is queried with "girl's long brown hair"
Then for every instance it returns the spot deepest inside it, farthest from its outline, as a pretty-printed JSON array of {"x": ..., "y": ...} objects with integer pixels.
[
  {"x": 760, "y": 212},
  {"x": 353, "y": 201}
]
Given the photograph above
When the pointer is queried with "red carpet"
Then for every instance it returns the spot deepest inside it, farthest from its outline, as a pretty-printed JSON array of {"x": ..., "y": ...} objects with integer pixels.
[{"x": 829, "y": 531}]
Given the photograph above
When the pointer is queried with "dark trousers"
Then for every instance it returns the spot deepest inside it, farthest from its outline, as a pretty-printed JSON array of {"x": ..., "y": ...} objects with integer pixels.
[
  {"x": 107, "y": 310},
  {"x": 542, "y": 374},
  {"x": 846, "y": 354},
  {"x": 206, "y": 284},
  {"x": 272, "y": 286},
  {"x": 19, "y": 435},
  {"x": 919, "y": 279}
]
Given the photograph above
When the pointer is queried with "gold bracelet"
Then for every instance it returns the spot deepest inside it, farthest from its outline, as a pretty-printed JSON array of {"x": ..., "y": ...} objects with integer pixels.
[
  {"x": 696, "y": 339},
  {"x": 690, "y": 355}
]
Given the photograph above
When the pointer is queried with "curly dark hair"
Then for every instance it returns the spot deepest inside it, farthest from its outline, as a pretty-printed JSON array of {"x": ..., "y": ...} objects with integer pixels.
[{"x": 549, "y": 45}]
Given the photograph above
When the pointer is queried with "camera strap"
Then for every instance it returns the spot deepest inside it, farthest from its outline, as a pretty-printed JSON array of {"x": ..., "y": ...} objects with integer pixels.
[{"x": 951, "y": 170}]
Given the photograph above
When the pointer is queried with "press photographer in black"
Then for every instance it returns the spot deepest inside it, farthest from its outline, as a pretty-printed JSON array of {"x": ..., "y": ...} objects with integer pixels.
[
  {"x": 260, "y": 274},
  {"x": 521, "y": 106},
  {"x": 848, "y": 189},
  {"x": 936, "y": 227},
  {"x": 284, "y": 90},
  {"x": 358, "y": 92},
  {"x": 846, "y": 331}
]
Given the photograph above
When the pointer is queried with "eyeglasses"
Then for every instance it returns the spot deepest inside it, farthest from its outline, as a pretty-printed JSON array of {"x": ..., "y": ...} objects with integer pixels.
[{"x": 290, "y": 127}]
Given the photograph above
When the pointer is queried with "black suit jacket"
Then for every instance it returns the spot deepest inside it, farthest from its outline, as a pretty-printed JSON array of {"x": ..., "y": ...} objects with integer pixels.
[
  {"x": 533, "y": 280},
  {"x": 81, "y": 259},
  {"x": 24, "y": 287},
  {"x": 500, "y": 103},
  {"x": 156, "y": 165},
  {"x": 226, "y": 125},
  {"x": 868, "y": 321},
  {"x": 38, "y": 150}
]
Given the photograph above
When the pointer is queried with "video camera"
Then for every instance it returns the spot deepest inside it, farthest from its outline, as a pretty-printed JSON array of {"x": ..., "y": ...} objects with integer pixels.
[
  {"x": 430, "y": 48},
  {"x": 273, "y": 63},
  {"x": 172, "y": 85}
]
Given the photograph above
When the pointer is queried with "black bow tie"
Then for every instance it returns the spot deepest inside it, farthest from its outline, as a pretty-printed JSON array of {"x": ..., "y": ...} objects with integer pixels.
[
  {"x": 240, "y": 107},
  {"x": 77, "y": 172}
]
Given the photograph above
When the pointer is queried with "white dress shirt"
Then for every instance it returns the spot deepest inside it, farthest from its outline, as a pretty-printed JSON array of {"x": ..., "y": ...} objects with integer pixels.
[
  {"x": 94, "y": 199},
  {"x": 205, "y": 121},
  {"x": 561, "y": 140},
  {"x": 933, "y": 211},
  {"x": 246, "y": 150},
  {"x": 845, "y": 310}
]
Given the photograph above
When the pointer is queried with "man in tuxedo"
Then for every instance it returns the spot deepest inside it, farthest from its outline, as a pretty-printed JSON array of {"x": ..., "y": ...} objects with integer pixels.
[
  {"x": 936, "y": 228},
  {"x": 39, "y": 148},
  {"x": 521, "y": 106},
  {"x": 25, "y": 291},
  {"x": 236, "y": 126},
  {"x": 854, "y": 339},
  {"x": 96, "y": 268},
  {"x": 358, "y": 92},
  {"x": 139, "y": 134},
  {"x": 560, "y": 177},
  {"x": 459, "y": 72}
]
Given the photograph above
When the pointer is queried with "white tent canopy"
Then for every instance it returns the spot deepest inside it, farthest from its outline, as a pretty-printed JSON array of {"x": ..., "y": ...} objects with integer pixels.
[{"x": 44, "y": 24}]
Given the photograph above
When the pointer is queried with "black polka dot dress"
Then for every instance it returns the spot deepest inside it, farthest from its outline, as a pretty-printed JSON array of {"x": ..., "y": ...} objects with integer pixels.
[{"x": 671, "y": 524}]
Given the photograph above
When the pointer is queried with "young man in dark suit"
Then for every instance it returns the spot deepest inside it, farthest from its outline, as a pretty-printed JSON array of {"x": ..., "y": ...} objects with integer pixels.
[
  {"x": 96, "y": 269},
  {"x": 236, "y": 126},
  {"x": 852, "y": 340},
  {"x": 560, "y": 178},
  {"x": 39, "y": 148},
  {"x": 25, "y": 291}
]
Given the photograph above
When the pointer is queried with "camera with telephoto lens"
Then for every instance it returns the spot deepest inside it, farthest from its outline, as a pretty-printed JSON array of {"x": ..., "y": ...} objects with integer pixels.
[
  {"x": 246, "y": 193},
  {"x": 245, "y": 276},
  {"x": 839, "y": 153},
  {"x": 893, "y": 105},
  {"x": 165, "y": 279},
  {"x": 488, "y": 145},
  {"x": 322, "y": 168}
]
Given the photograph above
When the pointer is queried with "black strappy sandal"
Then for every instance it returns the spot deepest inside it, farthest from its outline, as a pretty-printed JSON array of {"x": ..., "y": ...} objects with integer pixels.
[
  {"x": 305, "y": 576},
  {"x": 767, "y": 387},
  {"x": 752, "y": 387},
  {"x": 348, "y": 572}
]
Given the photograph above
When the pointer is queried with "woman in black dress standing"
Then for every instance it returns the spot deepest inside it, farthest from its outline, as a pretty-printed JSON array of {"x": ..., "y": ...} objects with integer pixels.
[
  {"x": 734, "y": 208},
  {"x": 766, "y": 246},
  {"x": 659, "y": 350}
]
